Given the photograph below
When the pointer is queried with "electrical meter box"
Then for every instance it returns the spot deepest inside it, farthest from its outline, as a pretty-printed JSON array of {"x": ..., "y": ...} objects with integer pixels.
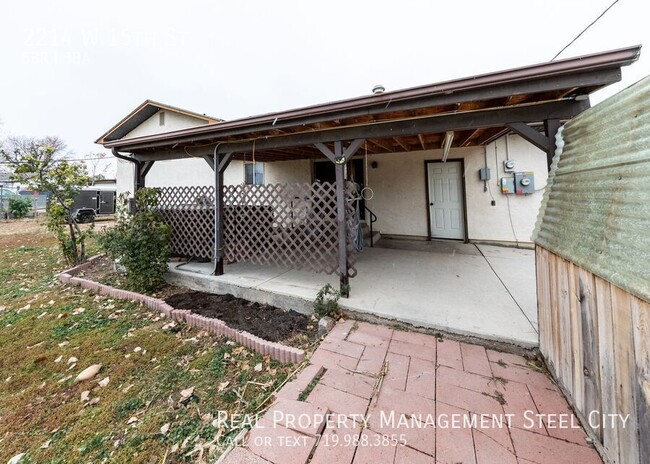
[
  {"x": 508, "y": 166},
  {"x": 524, "y": 183},
  {"x": 507, "y": 185},
  {"x": 484, "y": 174}
]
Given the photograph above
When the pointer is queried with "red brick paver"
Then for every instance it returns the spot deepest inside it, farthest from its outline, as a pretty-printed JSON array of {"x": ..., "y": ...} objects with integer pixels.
[{"x": 395, "y": 397}]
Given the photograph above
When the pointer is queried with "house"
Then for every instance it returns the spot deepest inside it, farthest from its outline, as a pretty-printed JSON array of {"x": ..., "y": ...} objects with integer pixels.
[
  {"x": 148, "y": 118},
  {"x": 461, "y": 161},
  {"x": 476, "y": 210}
]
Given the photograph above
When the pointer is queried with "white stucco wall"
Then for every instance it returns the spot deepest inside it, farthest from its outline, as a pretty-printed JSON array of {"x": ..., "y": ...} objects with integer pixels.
[
  {"x": 285, "y": 172},
  {"x": 399, "y": 185},
  {"x": 124, "y": 177},
  {"x": 187, "y": 172},
  {"x": 163, "y": 173},
  {"x": 180, "y": 173}
]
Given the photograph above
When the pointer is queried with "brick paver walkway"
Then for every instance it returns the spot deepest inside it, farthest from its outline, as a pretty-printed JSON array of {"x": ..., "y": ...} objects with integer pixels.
[{"x": 375, "y": 395}]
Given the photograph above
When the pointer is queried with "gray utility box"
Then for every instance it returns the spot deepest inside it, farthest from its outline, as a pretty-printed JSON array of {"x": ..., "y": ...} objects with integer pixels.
[{"x": 524, "y": 183}]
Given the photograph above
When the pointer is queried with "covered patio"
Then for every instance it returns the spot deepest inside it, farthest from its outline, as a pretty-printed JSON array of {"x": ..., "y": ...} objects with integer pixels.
[
  {"x": 480, "y": 291},
  {"x": 286, "y": 240}
]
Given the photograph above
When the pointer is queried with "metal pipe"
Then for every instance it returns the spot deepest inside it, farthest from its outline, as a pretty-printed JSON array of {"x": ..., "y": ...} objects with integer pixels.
[
  {"x": 136, "y": 165},
  {"x": 117, "y": 154}
]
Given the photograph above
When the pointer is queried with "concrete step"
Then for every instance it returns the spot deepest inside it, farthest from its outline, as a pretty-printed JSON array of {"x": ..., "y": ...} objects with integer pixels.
[{"x": 376, "y": 235}]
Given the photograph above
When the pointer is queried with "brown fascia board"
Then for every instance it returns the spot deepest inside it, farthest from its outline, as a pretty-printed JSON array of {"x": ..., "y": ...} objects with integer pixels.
[
  {"x": 613, "y": 59},
  {"x": 160, "y": 106}
]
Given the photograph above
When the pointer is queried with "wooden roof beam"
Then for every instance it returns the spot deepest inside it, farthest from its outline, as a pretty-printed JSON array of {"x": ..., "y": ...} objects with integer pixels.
[
  {"x": 383, "y": 147},
  {"x": 399, "y": 142},
  {"x": 421, "y": 139},
  {"x": 599, "y": 77},
  {"x": 467, "y": 139},
  {"x": 497, "y": 117}
]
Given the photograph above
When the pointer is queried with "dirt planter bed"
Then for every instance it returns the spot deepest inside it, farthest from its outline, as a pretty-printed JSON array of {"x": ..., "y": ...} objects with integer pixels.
[{"x": 212, "y": 325}]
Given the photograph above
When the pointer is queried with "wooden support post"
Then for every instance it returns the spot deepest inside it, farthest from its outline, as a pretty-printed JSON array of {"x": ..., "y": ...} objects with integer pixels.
[
  {"x": 551, "y": 126},
  {"x": 221, "y": 162},
  {"x": 218, "y": 218},
  {"x": 210, "y": 160},
  {"x": 340, "y": 170},
  {"x": 142, "y": 168},
  {"x": 139, "y": 180},
  {"x": 530, "y": 134},
  {"x": 340, "y": 159}
]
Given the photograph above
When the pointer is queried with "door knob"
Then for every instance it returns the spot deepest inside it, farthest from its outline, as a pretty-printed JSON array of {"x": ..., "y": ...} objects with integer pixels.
[{"x": 430, "y": 204}]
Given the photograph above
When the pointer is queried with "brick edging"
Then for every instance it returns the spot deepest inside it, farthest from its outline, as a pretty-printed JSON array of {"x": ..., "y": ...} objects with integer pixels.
[{"x": 276, "y": 351}]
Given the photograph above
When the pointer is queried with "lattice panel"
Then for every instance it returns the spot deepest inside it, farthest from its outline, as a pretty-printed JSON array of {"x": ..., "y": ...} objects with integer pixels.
[
  {"x": 189, "y": 211},
  {"x": 287, "y": 225}
]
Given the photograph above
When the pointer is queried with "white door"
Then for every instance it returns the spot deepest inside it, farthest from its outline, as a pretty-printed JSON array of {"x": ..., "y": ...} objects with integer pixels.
[{"x": 446, "y": 200}]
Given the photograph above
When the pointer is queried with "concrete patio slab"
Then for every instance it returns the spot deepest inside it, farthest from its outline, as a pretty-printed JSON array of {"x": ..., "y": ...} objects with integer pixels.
[
  {"x": 430, "y": 412},
  {"x": 485, "y": 291},
  {"x": 513, "y": 266}
]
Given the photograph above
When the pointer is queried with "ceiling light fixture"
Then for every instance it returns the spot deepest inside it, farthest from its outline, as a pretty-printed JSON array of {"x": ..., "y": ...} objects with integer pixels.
[{"x": 446, "y": 144}]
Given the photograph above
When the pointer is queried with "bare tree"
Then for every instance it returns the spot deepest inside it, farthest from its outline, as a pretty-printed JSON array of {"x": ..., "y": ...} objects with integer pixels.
[
  {"x": 97, "y": 166},
  {"x": 41, "y": 164}
]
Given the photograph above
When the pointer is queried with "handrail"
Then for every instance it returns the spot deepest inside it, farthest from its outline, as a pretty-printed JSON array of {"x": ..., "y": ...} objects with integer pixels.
[{"x": 373, "y": 219}]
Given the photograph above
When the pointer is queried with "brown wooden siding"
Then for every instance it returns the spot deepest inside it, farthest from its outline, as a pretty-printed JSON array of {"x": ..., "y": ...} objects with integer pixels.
[{"x": 595, "y": 338}]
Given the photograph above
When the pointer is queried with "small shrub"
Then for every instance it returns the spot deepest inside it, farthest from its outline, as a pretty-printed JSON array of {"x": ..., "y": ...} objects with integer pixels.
[
  {"x": 19, "y": 207},
  {"x": 327, "y": 302},
  {"x": 72, "y": 240},
  {"x": 140, "y": 241}
]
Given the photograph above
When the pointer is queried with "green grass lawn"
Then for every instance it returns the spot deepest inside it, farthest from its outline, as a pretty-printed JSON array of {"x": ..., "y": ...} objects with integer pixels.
[{"x": 45, "y": 325}]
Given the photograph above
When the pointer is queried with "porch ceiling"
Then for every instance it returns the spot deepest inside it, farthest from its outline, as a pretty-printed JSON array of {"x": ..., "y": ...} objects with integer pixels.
[{"x": 478, "y": 109}]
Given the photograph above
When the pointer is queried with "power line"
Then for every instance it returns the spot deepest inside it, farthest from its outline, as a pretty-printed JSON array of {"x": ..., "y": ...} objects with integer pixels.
[
  {"x": 585, "y": 29},
  {"x": 62, "y": 159}
]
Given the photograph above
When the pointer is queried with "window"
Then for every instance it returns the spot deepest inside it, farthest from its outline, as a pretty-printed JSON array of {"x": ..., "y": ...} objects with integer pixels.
[
  {"x": 161, "y": 118},
  {"x": 254, "y": 173}
]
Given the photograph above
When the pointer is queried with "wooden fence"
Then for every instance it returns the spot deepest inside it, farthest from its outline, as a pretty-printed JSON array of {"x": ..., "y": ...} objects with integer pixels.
[{"x": 596, "y": 341}]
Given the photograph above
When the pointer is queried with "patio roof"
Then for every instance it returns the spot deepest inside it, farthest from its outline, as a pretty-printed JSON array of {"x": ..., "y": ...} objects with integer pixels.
[{"x": 478, "y": 109}]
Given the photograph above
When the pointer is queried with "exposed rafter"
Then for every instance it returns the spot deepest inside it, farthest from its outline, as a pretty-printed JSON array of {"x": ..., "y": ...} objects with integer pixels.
[
  {"x": 494, "y": 118},
  {"x": 467, "y": 139},
  {"x": 401, "y": 144},
  {"x": 386, "y": 148},
  {"x": 422, "y": 144}
]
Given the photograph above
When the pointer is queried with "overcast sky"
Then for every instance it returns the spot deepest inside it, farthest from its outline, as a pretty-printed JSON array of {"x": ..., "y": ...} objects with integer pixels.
[{"x": 75, "y": 68}]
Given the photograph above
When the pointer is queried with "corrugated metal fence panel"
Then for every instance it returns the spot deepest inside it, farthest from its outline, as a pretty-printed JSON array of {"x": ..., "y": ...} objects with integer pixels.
[{"x": 596, "y": 209}]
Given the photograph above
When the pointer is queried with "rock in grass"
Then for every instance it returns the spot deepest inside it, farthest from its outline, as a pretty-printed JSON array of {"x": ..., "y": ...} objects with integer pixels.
[
  {"x": 88, "y": 373},
  {"x": 16, "y": 459}
]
